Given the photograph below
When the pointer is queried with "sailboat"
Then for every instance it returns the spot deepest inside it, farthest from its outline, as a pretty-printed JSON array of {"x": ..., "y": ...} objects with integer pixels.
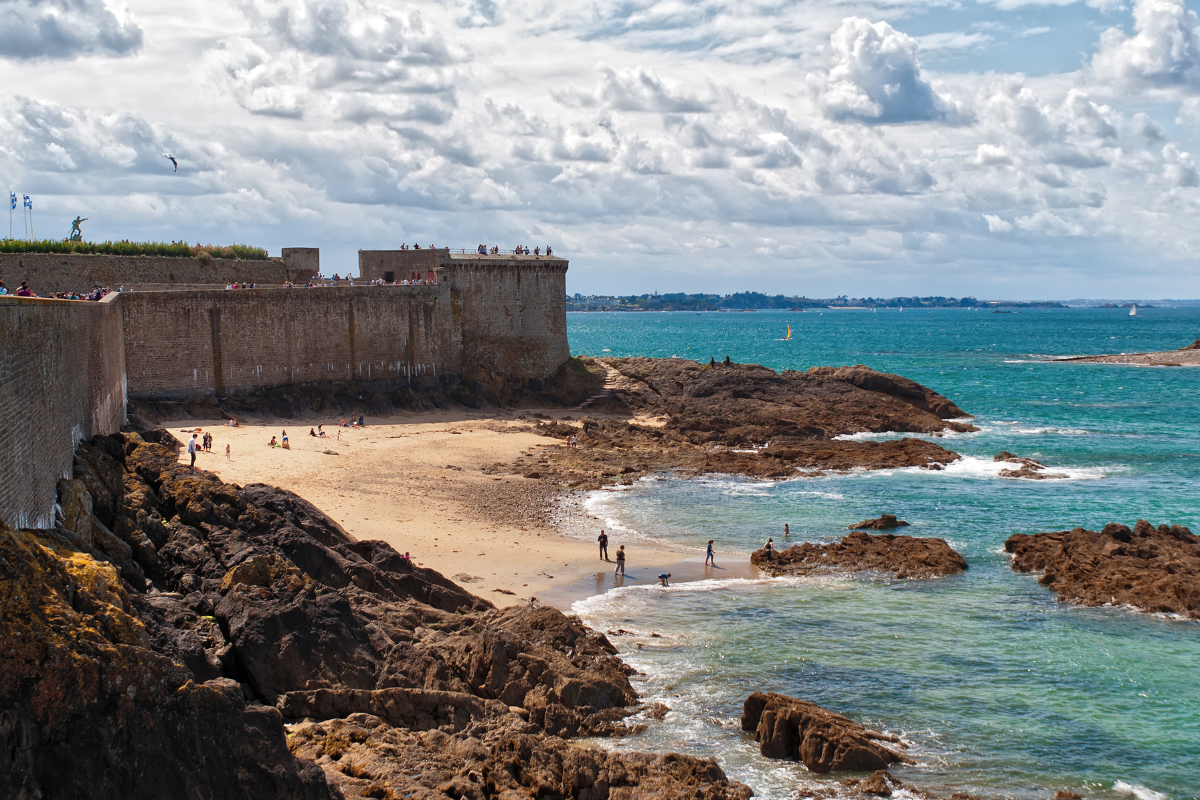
[
  {"x": 787, "y": 338},
  {"x": 1133, "y": 311}
]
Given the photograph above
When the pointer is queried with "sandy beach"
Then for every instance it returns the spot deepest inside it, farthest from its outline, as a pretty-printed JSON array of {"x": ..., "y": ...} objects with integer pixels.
[{"x": 421, "y": 483}]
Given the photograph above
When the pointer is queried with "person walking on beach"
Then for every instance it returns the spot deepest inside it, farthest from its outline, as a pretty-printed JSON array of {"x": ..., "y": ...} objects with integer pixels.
[
  {"x": 620, "y": 561},
  {"x": 769, "y": 551},
  {"x": 603, "y": 539},
  {"x": 192, "y": 451},
  {"x": 709, "y": 555}
]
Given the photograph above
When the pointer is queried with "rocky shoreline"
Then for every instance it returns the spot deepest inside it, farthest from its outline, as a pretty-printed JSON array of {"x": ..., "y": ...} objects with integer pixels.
[
  {"x": 176, "y": 635},
  {"x": 656, "y": 415},
  {"x": 902, "y": 557},
  {"x": 1149, "y": 569}
]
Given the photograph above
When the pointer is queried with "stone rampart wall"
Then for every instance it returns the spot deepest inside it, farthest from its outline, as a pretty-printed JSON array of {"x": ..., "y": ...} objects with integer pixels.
[
  {"x": 62, "y": 379},
  {"x": 513, "y": 315},
  {"x": 200, "y": 343},
  {"x": 65, "y": 272}
]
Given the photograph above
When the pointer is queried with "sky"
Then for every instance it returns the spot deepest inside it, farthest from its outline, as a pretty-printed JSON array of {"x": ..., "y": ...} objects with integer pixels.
[{"x": 1006, "y": 149}]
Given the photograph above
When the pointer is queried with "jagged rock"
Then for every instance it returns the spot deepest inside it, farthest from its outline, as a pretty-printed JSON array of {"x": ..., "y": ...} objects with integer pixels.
[
  {"x": 885, "y": 522},
  {"x": 906, "y": 556},
  {"x": 88, "y": 709},
  {"x": 365, "y": 757},
  {"x": 747, "y": 419},
  {"x": 1067, "y": 794},
  {"x": 1156, "y": 570},
  {"x": 881, "y": 784},
  {"x": 1027, "y": 468},
  {"x": 76, "y": 505},
  {"x": 787, "y": 728}
]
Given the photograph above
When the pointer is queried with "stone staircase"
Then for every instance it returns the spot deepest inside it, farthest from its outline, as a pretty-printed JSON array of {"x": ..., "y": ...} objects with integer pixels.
[{"x": 612, "y": 380}]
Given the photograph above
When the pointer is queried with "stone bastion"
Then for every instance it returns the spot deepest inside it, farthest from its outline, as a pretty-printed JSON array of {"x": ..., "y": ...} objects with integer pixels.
[{"x": 68, "y": 368}]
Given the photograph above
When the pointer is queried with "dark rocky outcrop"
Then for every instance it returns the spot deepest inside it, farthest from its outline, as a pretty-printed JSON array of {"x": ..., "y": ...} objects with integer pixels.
[
  {"x": 905, "y": 556},
  {"x": 884, "y": 522},
  {"x": 1025, "y": 468},
  {"x": 167, "y": 660},
  {"x": 746, "y": 419},
  {"x": 787, "y": 728},
  {"x": 1147, "y": 568}
]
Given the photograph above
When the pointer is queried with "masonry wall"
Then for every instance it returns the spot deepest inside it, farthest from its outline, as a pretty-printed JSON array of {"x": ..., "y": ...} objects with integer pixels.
[
  {"x": 64, "y": 272},
  {"x": 374, "y": 264},
  {"x": 62, "y": 379},
  {"x": 513, "y": 314},
  {"x": 198, "y": 343}
]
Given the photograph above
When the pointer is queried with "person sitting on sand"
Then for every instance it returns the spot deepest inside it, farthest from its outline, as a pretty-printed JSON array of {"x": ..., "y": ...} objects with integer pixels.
[
  {"x": 620, "y": 561},
  {"x": 405, "y": 556},
  {"x": 272, "y": 443},
  {"x": 709, "y": 555},
  {"x": 664, "y": 579},
  {"x": 362, "y": 423},
  {"x": 769, "y": 550},
  {"x": 342, "y": 423},
  {"x": 312, "y": 433}
]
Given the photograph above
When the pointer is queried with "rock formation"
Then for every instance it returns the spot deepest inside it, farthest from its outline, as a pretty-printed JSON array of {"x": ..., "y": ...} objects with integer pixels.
[
  {"x": 787, "y": 728},
  {"x": 746, "y": 419},
  {"x": 885, "y": 522},
  {"x": 1026, "y": 468},
  {"x": 158, "y": 642},
  {"x": 905, "y": 556},
  {"x": 1147, "y": 568}
]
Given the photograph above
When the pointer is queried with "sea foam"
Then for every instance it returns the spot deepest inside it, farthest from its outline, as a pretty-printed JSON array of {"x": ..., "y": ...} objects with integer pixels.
[{"x": 1138, "y": 791}]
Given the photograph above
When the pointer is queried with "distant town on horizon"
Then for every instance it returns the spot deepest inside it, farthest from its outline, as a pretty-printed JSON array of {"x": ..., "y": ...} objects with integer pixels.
[{"x": 757, "y": 301}]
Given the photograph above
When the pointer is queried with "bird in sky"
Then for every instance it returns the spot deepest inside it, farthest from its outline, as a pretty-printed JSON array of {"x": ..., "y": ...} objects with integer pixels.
[{"x": 171, "y": 158}]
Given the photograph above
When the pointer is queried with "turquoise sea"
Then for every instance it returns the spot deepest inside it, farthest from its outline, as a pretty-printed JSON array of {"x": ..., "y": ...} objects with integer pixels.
[{"x": 999, "y": 689}]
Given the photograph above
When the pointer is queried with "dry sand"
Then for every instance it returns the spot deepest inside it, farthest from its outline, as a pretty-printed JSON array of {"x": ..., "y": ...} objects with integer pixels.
[{"x": 420, "y": 483}]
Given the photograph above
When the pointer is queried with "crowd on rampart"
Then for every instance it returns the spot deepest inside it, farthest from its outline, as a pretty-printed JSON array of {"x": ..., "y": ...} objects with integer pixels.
[
  {"x": 520, "y": 250},
  {"x": 97, "y": 293}
]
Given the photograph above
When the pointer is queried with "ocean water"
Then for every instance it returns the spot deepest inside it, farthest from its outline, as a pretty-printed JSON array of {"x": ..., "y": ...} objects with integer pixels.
[{"x": 998, "y": 688}]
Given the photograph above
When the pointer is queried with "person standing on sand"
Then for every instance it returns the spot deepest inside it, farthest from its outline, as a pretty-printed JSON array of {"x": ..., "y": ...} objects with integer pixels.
[
  {"x": 620, "y": 561},
  {"x": 709, "y": 555},
  {"x": 192, "y": 451},
  {"x": 769, "y": 550},
  {"x": 227, "y": 453},
  {"x": 603, "y": 539}
]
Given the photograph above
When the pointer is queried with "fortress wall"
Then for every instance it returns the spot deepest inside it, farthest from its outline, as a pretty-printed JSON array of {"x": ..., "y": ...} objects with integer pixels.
[
  {"x": 374, "y": 264},
  {"x": 62, "y": 379},
  {"x": 513, "y": 314},
  {"x": 65, "y": 272},
  {"x": 197, "y": 343}
]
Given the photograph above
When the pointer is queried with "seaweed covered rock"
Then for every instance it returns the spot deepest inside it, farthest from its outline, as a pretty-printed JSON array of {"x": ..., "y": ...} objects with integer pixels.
[
  {"x": 904, "y": 556},
  {"x": 791, "y": 729},
  {"x": 1147, "y": 568}
]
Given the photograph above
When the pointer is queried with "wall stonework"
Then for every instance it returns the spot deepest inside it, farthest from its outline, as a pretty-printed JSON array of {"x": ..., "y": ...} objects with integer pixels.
[
  {"x": 67, "y": 272},
  {"x": 203, "y": 343},
  {"x": 512, "y": 308},
  {"x": 62, "y": 379}
]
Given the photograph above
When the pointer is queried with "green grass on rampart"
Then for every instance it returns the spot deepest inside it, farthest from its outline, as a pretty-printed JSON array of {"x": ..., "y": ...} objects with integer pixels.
[{"x": 127, "y": 248}]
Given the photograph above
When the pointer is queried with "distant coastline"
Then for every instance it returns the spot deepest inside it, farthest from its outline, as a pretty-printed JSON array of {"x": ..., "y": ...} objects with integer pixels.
[{"x": 756, "y": 301}]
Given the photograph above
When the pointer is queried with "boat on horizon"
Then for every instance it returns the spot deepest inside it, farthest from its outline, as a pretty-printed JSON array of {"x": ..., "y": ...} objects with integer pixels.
[{"x": 1133, "y": 311}]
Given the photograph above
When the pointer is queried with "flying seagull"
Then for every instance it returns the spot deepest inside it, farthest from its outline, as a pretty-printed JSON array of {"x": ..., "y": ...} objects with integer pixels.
[{"x": 171, "y": 158}]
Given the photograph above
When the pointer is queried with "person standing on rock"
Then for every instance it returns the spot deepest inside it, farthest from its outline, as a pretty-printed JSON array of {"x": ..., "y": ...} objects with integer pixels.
[
  {"x": 769, "y": 550},
  {"x": 192, "y": 450},
  {"x": 710, "y": 556},
  {"x": 620, "y": 561},
  {"x": 603, "y": 539}
]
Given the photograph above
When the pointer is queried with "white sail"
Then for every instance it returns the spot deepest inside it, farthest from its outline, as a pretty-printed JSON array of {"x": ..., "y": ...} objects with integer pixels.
[{"x": 1133, "y": 311}]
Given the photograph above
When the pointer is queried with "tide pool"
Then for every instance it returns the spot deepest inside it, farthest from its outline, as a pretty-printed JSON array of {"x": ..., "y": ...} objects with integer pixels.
[{"x": 999, "y": 688}]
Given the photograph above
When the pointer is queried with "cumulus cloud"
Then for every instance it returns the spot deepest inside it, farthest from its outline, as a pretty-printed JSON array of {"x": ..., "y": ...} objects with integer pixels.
[
  {"x": 62, "y": 29},
  {"x": 874, "y": 77},
  {"x": 997, "y": 224},
  {"x": 1142, "y": 125},
  {"x": 1163, "y": 52}
]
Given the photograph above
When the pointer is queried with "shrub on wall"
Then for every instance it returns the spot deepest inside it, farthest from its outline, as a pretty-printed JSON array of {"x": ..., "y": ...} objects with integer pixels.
[{"x": 127, "y": 248}]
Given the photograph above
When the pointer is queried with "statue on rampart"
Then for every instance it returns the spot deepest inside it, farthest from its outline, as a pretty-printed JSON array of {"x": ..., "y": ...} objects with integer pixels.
[{"x": 76, "y": 232}]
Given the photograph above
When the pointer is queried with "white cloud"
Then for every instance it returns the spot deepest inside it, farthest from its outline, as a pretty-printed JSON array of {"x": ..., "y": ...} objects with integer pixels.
[
  {"x": 1142, "y": 125},
  {"x": 874, "y": 77},
  {"x": 997, "y": 224},
  {"x": 1049, "y": 224},
  {"x": 1164, "y": 51},
  {"x": 63, "y": 29}
]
